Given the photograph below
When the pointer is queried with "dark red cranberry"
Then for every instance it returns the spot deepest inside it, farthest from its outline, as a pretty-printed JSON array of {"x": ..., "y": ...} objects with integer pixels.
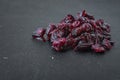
[
  {"x": 68, "y": 19},
  {"x": 107, "y": 44},
  {"x": 106, "y": 27},
  {"x": 76, "y": 24},
  {"x": 98, "y": 48},
  {"x": 77, "y": 31},
  {"x": 54, "y": 35},
  {"x": 87, "y": 27},
  {"x": 59, "y": 44},
  {"x": 84, "y": 14},
  {"x": 82, "y": 46},
  {"x": 50, "y": 28},
  {"x": 99, "y": 22},
  {"x": 39, "y": 34}
]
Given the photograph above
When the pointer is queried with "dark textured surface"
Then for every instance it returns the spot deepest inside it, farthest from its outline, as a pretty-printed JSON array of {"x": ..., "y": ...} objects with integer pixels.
[{"x": 21, "y": 58}]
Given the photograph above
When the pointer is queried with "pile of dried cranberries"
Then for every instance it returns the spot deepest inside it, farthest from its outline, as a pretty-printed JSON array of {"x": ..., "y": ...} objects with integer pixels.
[{"x": 80, "y": 33}]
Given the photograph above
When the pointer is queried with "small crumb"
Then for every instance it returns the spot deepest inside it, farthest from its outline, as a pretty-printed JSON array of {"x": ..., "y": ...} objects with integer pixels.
[
  {"x": 52, "y": 57},
  {"x": 5, "y": 57}
]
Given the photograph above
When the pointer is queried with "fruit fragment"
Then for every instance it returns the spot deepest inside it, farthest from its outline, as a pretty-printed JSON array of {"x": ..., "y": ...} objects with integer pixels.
[{"x": 39, "y": 34}]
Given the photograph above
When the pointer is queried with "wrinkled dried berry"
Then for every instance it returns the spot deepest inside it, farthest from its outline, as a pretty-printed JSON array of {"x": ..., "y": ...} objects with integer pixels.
[
  {"x": 68, "y": 19},
  {"x": 59, "y": 44},
  {"x": 98, "y": 48},
  {"x": 50, "y": 28},
  {"x": 80, "y": 33},
  {"x": 39, "y": 34}
]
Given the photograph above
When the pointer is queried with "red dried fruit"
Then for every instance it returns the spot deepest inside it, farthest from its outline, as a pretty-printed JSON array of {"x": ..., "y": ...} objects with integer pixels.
[
  {"x": 106, "y": 27},
  {"x": 68, "y": 19},
  {"x": 50, "y": 28},
  {"x": 98, "y": 48},
  {"x": 107, "y": 44},
  {"x": 82, "y": 33},
  {"x": 76, "y": 24},
  {"x": 39, "y": 34},
  {"x": 99, "y": 22},
  {"x": 84, "y": 14},
  {"x": 82, "y": 46},
  {"x": 59, "y": 44},
  {"x": 77, "y": 31},
  {"x": 87, "y": 27}
]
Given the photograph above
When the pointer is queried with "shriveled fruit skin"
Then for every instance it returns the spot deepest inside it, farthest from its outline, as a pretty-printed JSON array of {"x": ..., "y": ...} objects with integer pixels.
[{"x": 39, "y": 34}]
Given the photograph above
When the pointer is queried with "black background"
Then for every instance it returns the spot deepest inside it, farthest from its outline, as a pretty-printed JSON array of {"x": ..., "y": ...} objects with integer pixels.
[{"x": 21, "y": 58}]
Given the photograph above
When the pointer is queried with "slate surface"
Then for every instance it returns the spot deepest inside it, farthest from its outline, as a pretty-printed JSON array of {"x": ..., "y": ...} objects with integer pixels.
[{"x": 21, "y": 58}]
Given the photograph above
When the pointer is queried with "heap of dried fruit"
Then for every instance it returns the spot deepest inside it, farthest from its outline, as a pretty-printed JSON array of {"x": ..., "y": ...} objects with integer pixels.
[{"x": 80, "y": 33}]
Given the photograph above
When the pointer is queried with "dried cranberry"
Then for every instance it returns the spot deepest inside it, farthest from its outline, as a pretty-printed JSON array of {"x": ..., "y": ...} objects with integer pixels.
[
  {"x": 76, "y": 24},
  {"x": 107, "y": 44},
  {"x": 68, "y": 19},
  {"x": 59, "y": 44},
  {"x": 39, "y": 34},
  {"x": 100, "y": 22},
  {"x": 50, "y": 28},
  {"x": 98, "y": 48},
  {"x": 84, "y": 14},
  {"x": 82, "y": 46},
  {"x": 87, "y": 27},
  {"x": 77, "y": 31},
  {"x": 106, "y": 27}
]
